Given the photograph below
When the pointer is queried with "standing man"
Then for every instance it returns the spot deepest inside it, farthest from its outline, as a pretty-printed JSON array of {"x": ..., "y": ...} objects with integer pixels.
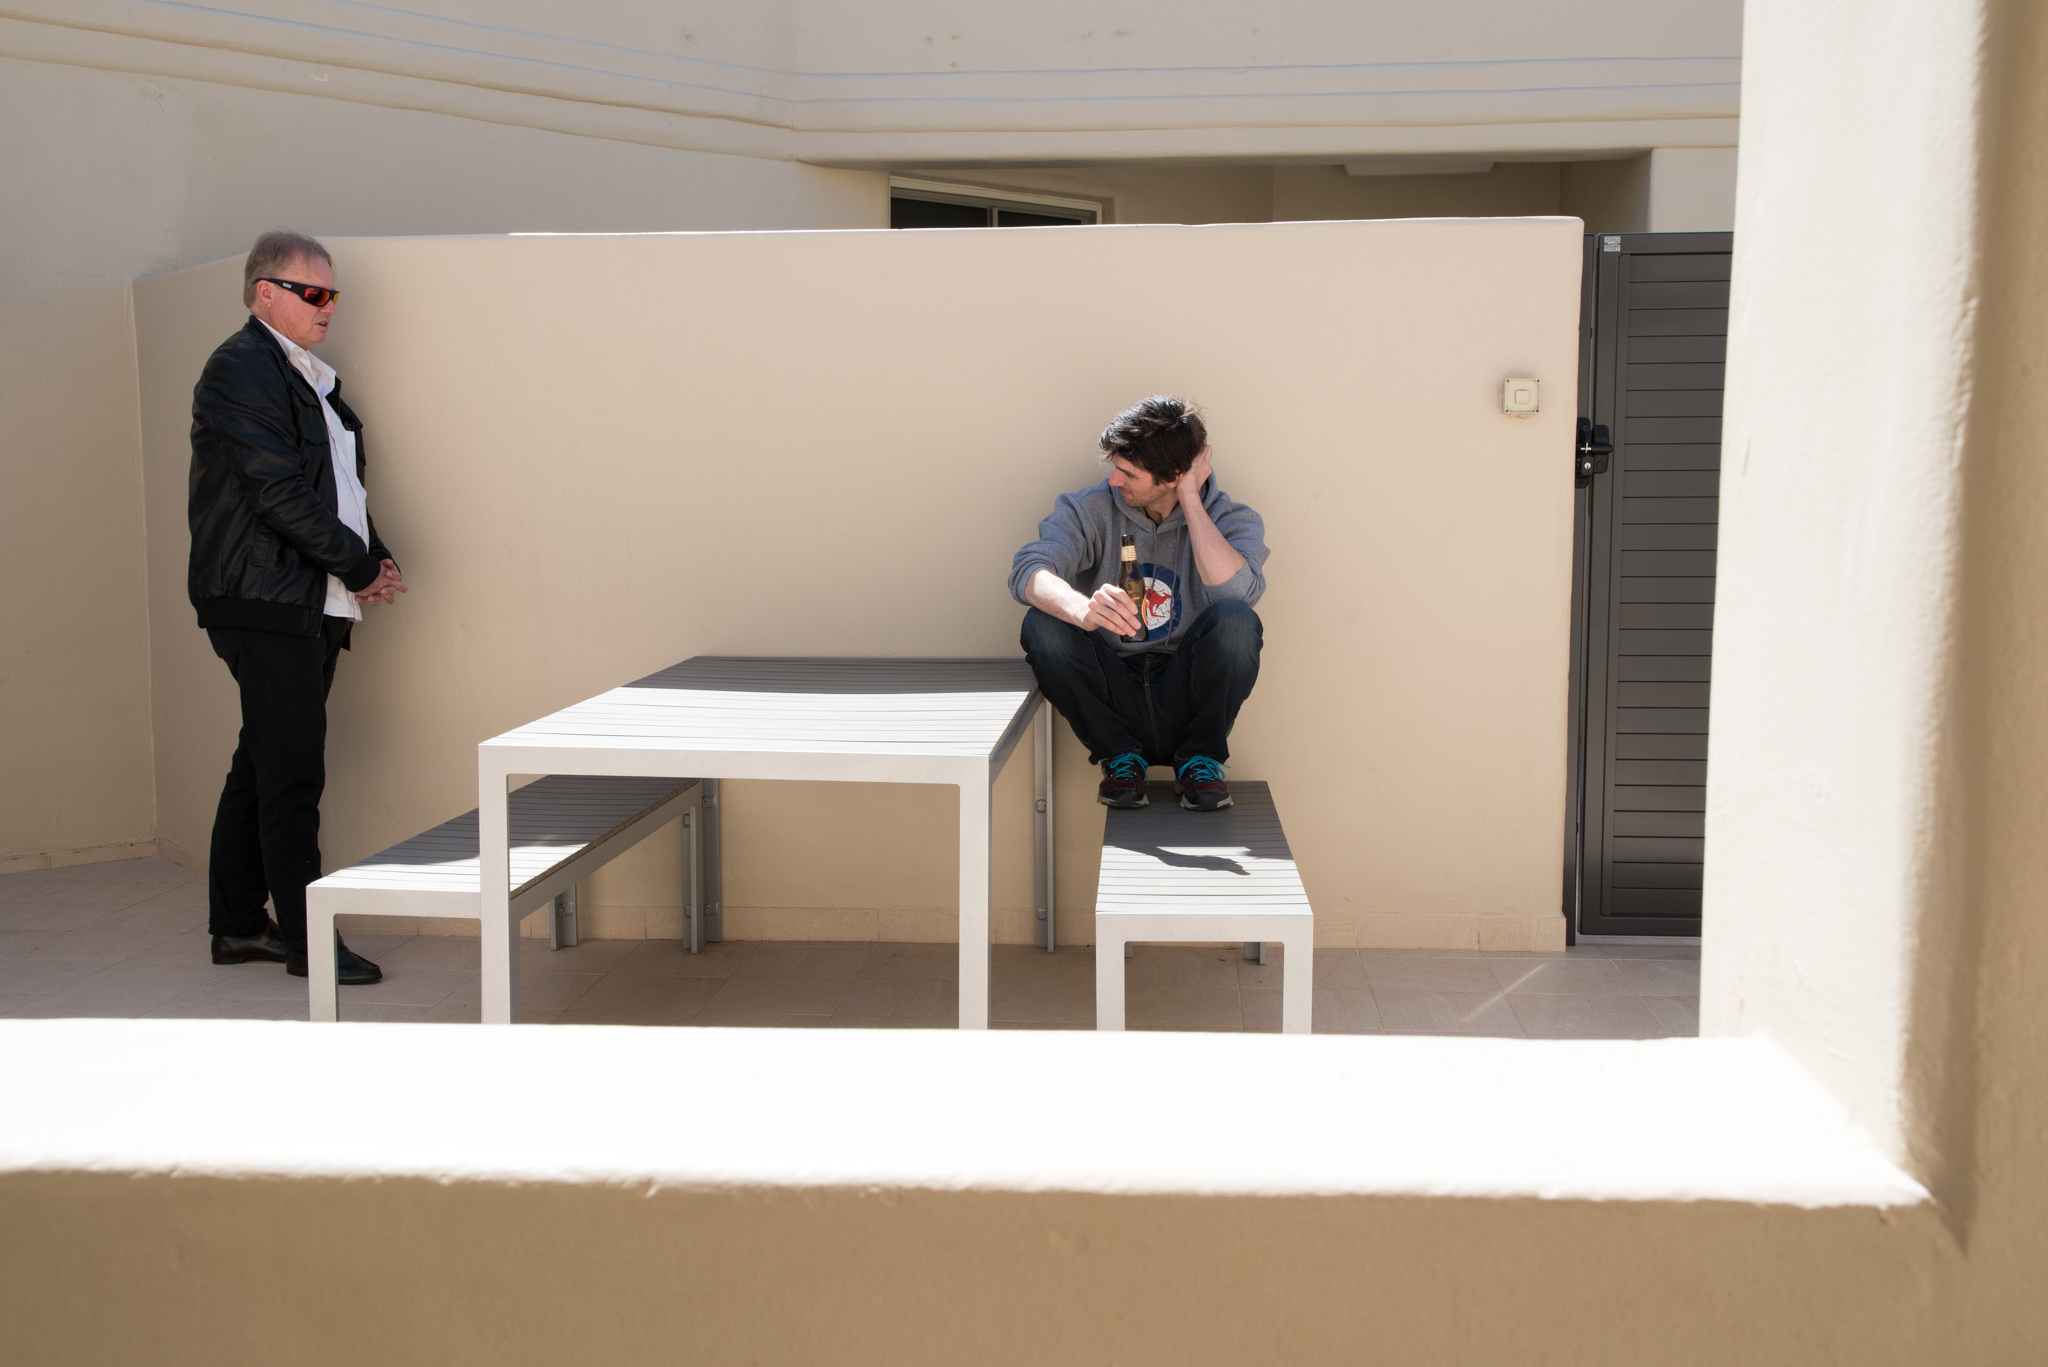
[
  {"x": 1170, "y": 699},
  {"x": 284, "y": 555}
]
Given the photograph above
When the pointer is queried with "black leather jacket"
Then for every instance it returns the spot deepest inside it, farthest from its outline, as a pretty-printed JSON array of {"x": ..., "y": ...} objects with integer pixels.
[{"x": 261, "y": 502}]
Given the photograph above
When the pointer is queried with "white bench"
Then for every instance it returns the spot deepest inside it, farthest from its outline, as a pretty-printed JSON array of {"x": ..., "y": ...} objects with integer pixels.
[
  {"x": 1172, "y": 875},
  {"x": 563, "y": 827}
]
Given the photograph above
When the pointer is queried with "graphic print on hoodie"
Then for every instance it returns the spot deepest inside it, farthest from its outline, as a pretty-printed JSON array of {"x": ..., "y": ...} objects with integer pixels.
[
  {"x": 1079, "y": 540},
  {"x": 1162, "y": 600}
]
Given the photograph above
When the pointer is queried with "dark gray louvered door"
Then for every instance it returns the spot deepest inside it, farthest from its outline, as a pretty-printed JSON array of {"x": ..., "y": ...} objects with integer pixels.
[{"x": 1654, "y": 338}]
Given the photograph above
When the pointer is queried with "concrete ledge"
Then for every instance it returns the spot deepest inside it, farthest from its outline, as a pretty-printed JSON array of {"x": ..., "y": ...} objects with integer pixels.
[{"x": 1704, "y": 1120}]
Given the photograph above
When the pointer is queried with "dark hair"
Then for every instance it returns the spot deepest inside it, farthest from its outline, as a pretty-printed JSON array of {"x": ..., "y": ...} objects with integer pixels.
[
  {"x": 1161, "y": 435},
  {"x": 274, "y": 251}
]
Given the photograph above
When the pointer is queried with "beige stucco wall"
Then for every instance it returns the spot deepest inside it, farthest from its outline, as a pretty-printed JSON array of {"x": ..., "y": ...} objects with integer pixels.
[
  {"x": 663, "y": 446},
  {"x": 145, "y": 137},
  {"x": 111, "y": 175},
  {"x": 481, "y": 1273}
]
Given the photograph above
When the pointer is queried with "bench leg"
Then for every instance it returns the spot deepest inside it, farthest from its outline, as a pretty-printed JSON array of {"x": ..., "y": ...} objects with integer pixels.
[
  {"x": 1109, "y": 980},
  {"x": 322, "y": 991},
  {"x": 1297, "y": 984},
  {"x": 1255, "y": 951}
]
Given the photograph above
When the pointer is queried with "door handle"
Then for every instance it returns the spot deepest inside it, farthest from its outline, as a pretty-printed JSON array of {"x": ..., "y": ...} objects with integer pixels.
[{"x": 1594, "y": 448}]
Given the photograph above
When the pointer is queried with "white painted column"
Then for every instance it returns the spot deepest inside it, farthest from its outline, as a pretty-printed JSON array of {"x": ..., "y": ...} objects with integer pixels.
[{"x": 1833, "y": 849}]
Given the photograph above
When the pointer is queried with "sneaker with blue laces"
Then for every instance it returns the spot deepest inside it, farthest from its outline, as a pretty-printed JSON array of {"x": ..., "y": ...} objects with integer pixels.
[
  {"x": 1199, "y": 781},
  {"x": 1123, "y": 782}
]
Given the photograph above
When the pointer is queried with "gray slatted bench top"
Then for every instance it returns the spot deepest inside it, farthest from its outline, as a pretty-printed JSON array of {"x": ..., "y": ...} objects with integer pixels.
[
  {"x": 1163, "y": 858},
  {"x": 1198, "y": 877},
  {"x": 553, "y": 820}
]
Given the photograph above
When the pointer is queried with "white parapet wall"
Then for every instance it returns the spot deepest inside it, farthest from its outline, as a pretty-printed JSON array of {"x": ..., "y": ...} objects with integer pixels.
[
  {"x": 141, "y": 134},
  {"x": 520, "y": 1195}
]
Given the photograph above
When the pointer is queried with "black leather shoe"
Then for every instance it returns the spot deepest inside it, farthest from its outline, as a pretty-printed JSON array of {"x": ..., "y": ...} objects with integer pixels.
[
  {"x": 240, "y": 949},
  {"x": 350, "y": 968}
]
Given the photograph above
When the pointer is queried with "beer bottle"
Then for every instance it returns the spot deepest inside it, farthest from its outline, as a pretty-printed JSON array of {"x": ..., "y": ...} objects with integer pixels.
[{"x": 1133, "y": 584}]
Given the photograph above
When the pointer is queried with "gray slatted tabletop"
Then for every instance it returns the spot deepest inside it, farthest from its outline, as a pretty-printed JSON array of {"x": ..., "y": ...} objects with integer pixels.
[
  {"x": 804, "y": 707},
  {"x": 950, "y": 721}
]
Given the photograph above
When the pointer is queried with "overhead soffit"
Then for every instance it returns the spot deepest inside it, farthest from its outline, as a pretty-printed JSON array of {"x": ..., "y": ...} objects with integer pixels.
[{"x": 1340, "y": 111}]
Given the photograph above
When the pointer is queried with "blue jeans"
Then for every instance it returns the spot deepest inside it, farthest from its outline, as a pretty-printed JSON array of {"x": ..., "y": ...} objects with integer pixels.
[{"x": 1167, "y": 708}]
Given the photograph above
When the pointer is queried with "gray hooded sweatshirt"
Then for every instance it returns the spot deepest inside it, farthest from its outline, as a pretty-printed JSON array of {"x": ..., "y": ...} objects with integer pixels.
[{"x": 1080, "y": 540}]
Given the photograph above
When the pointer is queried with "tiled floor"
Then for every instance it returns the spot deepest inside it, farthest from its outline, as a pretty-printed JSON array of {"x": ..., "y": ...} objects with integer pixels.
[{"x": 129, "y": 939}]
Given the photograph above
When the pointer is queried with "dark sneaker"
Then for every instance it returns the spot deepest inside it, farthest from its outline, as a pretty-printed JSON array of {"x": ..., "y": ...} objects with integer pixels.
[
  {"x": 1123, "y": 782},
  {"x": 1199, "y": 781}
]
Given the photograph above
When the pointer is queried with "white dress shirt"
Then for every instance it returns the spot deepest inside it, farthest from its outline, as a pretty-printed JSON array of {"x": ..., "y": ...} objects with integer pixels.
[{"x": 351, "y": 504}]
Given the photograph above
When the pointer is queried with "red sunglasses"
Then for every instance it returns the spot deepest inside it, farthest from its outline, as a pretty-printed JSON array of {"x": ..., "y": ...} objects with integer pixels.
[{"x": 319, "y": 296}]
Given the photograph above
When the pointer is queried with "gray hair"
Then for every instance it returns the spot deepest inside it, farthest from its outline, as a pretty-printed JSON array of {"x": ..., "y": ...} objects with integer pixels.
[{"x": 274, "y": 251}]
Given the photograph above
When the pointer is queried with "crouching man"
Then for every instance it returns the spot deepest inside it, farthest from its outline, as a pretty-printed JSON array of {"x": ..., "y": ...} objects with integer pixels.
[{"x": 1171, "y": 698}]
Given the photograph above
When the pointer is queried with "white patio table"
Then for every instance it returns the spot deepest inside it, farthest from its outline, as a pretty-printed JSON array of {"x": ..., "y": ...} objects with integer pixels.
[{"x": 860, "y": 720}]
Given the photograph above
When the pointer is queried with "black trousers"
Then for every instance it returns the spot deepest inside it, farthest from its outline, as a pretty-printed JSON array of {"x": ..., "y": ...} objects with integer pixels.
[
  {"x": 266, "y": 833},
  {"x": 1168, "y": 708}
]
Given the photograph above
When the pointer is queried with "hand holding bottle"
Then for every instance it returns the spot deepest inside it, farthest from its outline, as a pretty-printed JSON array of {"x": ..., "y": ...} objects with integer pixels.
[{"x": 1113, "y": 609}]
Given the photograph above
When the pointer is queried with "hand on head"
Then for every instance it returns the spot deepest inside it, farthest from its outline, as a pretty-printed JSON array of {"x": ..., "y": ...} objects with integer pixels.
[{"x": 1189, "y": 485}]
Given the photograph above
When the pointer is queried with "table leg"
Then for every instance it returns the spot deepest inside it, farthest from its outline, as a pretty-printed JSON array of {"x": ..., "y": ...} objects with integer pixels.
[
  {"x": 494, "y": 901},
  {"x": 711, "y": 886},
  {"x": 693, "y": 878},
  {"x": 974, "y": 917},
  {"x": 1041, "y": 777}
]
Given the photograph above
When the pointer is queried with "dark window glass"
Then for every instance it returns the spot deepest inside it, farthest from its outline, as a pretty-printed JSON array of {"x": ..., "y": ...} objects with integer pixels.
[
  {"x": 923, "y": 213},
  {"x": 1017, "y": 218}
]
